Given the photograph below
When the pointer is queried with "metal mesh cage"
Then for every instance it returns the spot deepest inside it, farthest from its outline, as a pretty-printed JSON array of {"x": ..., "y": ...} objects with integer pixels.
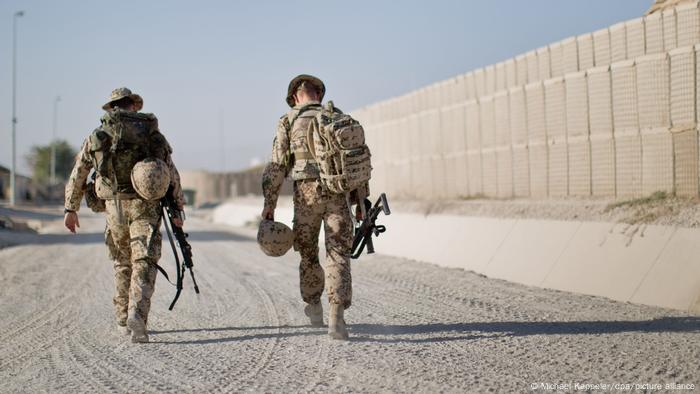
[
  {"x": 490, "y": 172},
  {"x": 579, "y": 166},
  {"x": 532, "y": 62},
  {"x": 556, "y": 54},
  {"x": 521, "y": 171},
  {"x": 488, "y": 128},
  {"x": 504, "y": 164},
  {"x": 521, "y": 70},
  {"x": 569, "y": 55},
  {"x": 654, "y": 33},
  {"x": 628, "y": 164},
  {"x": 500, "y": 76},
  {"x": 618, "y": 42},
  {"x": 534, "y": 94},
  {"x": 511, "y": 73},
  {"x": 470, "y": 86},
  {"x": 472, "y": 123},
  {"x": 602, "y": 165},
  {"x": 657, "y": 161},
  {"x": 538, "y": 169},
  {"x": 635, "y": 38},
  {"x": 544, "y": 64},
  {"x": 474, "y": 171},
  {"x": 585, "y": 51},
  {"x": 601, "y": 47},
  {"x": 687, "y": 24},
  {"x": 685, "y": 152},
  {"x": 683, "y": 87},
  {"x": 558, "y": 168},
  {"x": 624, "y": 89},
  {"x": 669, "y": 24},
  {"x": 480, "y": 82},
  {"x": 555, "y": 108},
  {"x": 600, "y": 101},
  {"x": 576, "y": 104},
  {"x": 490, "y": 79},
  {"x": 502, "y": 118},
  {"x": 518, "y": 116},
  {"x": 653, "y": 91}
]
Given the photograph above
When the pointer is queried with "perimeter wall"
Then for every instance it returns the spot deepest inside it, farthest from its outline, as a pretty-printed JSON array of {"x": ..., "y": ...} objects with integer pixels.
[{"x": 610, "y": 113}]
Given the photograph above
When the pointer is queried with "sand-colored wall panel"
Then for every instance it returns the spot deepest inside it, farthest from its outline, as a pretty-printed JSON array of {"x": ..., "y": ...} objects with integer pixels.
[
  {"x": 602, "y": 166},
  {"x": 536, "y": 127},
  {"x": 480, "y": 82},
  {"x": 521, "y": 171},
  {"x": 453, "y": 128},
  {"x": 472, "y": 125},
  {"x": 635, "y": 38},
  {"x": 601, "y": 47},
  {"x": 558, "y": 169},
  {"x": 556, "y": 59},
  {"x": 532, "y": 62},
  {"x": 657, "y": 161},
  {"x": 474, "y": 171},
  {"x": 504, "y": 164},
  {"x": 500, "y": 76},
  {"x": 576, "y": 104},
  {"x": 653, "y": 91},
  {"x": 611, "y": 265},
  {"x": 457, "y": 176},
  {"x": 685, "y": 152},
  {"x": 439, "y": 178},
  {"x": 570, "y": 55},
  {"x": 600, "y": 101},
  {"x": 687, "y": 24},
  {"x": 555, "y": 108},
  {"x": 502, "y": 118},
  {"x": 489, "y": 79},
  {"x": 586, "y": 58},
  {"x": 511, "y": 73},
  {"x": 521, "y": 69},
  {"x": 654, "y": 33},
  {"x": 669, "y": 23},
  {"x": 518, "y": 115},
  {"x": 490, "y": 172},
  {"x": 538, "y": 169},
  {"x": 683, "y": 87},
  {"x": 470, "y": 85},
  {"x": 624, "y": 89},
  {"x": 421, "y": 178},
  {"x": 674, "y": 280},
  {"x": 431, "y": 142},
  {"x": 579, "y": 166},
  {"x": 544, "y": 63},
  {"x": 487, "y": 120},
  {"x": 628, "y": 165}
]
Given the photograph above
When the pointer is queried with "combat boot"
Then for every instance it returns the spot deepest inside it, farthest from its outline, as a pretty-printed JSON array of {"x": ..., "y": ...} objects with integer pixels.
[
  {"x": 138, "y": 329},
  {"x": 123, "y": 330},
  {"x": 315, "y": 314},
  {"x": 336, "y": 323}
]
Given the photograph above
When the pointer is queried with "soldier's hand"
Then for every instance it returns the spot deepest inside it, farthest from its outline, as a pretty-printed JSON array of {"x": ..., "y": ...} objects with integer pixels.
[
  {"x": 268, "y": 213},
  {"x": 71, "y": 221},
  {"x": 178, "y": 222}
]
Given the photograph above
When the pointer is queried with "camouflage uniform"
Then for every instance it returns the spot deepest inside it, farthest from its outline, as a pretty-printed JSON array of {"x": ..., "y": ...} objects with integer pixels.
[
  {"x": 134, "y": 242},
  {"x": 312, "y": 205}
]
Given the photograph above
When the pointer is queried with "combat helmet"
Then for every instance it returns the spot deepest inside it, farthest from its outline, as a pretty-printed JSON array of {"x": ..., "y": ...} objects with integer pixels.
[
  {"x": 275, "y": 238},
  {"x": 150, "y": 178},
  {"x": 294, "y": 85}
]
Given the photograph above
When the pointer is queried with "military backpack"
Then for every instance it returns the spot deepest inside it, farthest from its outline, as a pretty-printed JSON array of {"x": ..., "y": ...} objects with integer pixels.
[{"x": 337, "y": 143}]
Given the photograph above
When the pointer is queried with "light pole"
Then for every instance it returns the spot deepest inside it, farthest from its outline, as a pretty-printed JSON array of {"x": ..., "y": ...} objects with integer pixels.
[
  {"x": 53, "y": 140},
  {"x": 14, "y": 108}
]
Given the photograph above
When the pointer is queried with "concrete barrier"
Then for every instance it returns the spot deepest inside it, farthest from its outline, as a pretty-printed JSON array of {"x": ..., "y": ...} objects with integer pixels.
[{"x": 657, "y": 266}]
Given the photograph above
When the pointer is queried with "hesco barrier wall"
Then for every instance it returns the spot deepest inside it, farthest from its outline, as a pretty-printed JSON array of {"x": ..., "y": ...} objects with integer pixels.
[{"x": 610, "y": 113}]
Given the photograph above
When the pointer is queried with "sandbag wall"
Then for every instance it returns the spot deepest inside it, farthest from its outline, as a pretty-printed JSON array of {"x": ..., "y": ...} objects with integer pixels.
[{"x": 611, "y": 113}]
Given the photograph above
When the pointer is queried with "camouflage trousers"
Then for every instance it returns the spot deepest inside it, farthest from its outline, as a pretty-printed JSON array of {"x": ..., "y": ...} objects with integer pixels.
[
  {"x": 134, "y": 246},
  {"x": 311, "y": 208}
]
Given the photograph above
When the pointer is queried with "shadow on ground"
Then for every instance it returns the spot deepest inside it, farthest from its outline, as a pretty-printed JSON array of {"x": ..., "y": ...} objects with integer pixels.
[{"x": 443, "y": 332}]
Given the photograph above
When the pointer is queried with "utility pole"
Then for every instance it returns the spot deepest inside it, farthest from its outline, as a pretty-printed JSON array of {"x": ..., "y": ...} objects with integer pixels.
[
  {"x": 53, "y": 140},
  {"x": 13, "y": 175}
]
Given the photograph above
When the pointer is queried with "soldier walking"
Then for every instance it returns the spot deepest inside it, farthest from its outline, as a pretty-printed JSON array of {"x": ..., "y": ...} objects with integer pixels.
[
  {"x": 313, "y": 205},
  {"x": 134, "y": 170}
]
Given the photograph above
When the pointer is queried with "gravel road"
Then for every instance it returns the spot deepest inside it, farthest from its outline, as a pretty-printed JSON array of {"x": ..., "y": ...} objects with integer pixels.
[{"x": 415, "y": 327}]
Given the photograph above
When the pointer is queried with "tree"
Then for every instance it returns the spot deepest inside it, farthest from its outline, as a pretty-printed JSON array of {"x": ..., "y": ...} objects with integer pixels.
[{"x": 39, "y": 159}]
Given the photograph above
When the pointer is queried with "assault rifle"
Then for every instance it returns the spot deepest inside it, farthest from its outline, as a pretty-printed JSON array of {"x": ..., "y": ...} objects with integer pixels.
[
  {"x": 368, "y": 226},
  {"x": 171, "y": 212}
]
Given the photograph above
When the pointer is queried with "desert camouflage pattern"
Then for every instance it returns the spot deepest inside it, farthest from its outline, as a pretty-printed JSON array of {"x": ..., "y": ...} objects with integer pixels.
[
  {"x": 337, "y": 142},
  {"x": 93, "y": 202},
  {"x": 275, "y": 238},
  {"x": 75, "y": 186},
  {"x": 135, "y": 248},
  {"x": 313, "y": 206},
  {"x": 151, "y": 178}
]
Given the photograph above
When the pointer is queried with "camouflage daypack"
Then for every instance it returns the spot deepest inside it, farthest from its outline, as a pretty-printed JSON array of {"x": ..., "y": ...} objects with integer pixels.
[
  {"x": 123, "y": 139},
  {"x": 338, "y": 146}
]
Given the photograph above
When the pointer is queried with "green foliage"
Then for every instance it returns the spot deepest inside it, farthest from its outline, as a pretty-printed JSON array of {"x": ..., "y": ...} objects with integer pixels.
[{"x": 39, "y": 159}]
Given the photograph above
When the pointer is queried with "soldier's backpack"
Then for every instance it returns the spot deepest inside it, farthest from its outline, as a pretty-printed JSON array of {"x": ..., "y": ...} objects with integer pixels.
[
  {"x": 338, "y": 146},
  {"x": 124, "y": 139}
]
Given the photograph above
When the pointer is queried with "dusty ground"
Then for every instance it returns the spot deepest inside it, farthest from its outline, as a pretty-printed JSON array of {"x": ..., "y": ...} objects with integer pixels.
[{"x": 414, "y": 327}]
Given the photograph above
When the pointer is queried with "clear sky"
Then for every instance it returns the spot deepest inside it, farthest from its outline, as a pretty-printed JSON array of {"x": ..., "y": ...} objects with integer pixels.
[{"x": 216, "y": 72}]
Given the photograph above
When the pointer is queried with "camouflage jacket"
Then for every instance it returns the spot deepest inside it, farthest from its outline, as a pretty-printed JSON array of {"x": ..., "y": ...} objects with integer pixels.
[
  {"x": 75, "y": 186},
  {"x": 290, "y": 152}
]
